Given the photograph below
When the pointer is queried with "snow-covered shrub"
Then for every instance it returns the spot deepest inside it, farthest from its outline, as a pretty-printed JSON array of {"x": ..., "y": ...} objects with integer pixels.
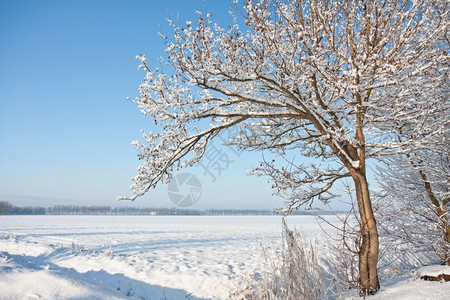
[
  {"x": 293, "y": 272},
  {"x": 411, "y": 206},
  {"x": 108, "y": 253},
  {"x": 76, "y": 247},
  {"x": 342, "y": 260},
  {"x": 8, "y": 236},
  {"x": 410, "y": 234}
]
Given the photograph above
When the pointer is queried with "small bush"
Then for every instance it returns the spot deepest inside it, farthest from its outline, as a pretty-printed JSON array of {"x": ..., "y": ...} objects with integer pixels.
[
  {"x": 76, "y": 248},
  {"x": 292, "y": 273}
]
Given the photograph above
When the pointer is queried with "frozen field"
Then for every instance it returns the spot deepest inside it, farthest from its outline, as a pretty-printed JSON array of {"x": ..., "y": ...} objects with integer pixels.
[
  {"x": 161, "y": 256},
  {"x": 138, "y": 257}
]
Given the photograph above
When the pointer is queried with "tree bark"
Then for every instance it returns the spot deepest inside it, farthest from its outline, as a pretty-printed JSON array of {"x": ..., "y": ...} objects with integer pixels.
[
  {"x": 441, "y": 210},
  {"x": 442, "y": 213},
  {"x": 368, "y": 253},
  {"x": 447, "y": 243}
]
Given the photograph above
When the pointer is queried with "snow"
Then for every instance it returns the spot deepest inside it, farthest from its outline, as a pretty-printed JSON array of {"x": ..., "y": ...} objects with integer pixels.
[
  {"x": 414, "y": 289},
  {"x": 167, "y": 257},
  {"x": 24, "y": 277},
  {"x": 149, "y": 257},
  {"x": 434, "y": 270}
]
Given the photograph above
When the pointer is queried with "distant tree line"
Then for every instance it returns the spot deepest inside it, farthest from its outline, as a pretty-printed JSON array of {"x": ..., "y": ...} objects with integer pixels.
[{"x": 7, "y": 208}]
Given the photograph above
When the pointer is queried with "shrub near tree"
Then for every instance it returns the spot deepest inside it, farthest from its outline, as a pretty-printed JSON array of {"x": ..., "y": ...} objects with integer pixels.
[
  {"x": 414, "y": 196},
  {"x": 415, "y": 182},
  {"x": 310, "y": 77}
]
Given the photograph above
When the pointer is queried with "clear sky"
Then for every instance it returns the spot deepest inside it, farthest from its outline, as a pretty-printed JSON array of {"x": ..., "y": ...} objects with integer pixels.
[{"x": 66, "y": 69}]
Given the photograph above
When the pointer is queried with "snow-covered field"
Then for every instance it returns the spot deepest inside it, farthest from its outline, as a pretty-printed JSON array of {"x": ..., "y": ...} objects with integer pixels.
[{"x": 148, "y": 257}]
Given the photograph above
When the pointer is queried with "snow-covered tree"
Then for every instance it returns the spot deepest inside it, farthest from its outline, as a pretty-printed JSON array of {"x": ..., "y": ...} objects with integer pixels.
[
  {"x": 312, "y": 77},
  {"x": 415, "y": 185},
  {"x": 419, "y": 174},
  {"x": 412, "y": 210}
]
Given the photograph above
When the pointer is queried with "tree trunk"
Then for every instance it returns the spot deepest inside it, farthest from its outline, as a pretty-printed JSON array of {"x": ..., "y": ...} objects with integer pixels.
[
  {"x": 368, "y": 253},
  {"x": 441, "y": 210},
  {"x": 447, "y": 243},
  {"x": 442, "y": 213}
]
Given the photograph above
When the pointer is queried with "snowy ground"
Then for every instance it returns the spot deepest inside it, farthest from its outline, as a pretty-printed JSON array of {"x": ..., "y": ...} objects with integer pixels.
[{"x": 149, "y": 257}]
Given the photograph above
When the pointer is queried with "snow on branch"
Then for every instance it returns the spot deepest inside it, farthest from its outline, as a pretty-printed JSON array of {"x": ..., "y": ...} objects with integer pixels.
[{"x": 322, "y": 78}]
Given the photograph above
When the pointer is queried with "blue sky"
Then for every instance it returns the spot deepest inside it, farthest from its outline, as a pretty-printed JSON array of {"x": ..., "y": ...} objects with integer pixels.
[{"x": 67, "y": 68}]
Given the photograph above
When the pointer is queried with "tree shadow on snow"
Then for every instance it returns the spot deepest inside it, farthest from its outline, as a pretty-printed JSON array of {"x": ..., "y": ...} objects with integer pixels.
[{"x": 129, "y": 287}]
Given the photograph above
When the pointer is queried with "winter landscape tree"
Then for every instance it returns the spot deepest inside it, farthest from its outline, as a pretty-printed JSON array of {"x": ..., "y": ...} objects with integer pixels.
[
  {"x": 412, "y": 214},
  {"x": 415, "y": 185},
  {"x": 415, "y": 182},
  {"x": 312, "y": 77}
]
